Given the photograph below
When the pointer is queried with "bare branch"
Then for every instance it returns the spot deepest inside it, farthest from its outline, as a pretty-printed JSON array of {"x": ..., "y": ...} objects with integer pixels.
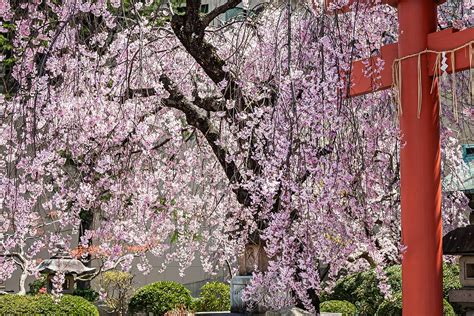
[
  {"x": 157, "y": 146},
  {"x": 220, "y": 10},
  {"x": 132, "y": 93},
  {"x": 16, "y": 256}
]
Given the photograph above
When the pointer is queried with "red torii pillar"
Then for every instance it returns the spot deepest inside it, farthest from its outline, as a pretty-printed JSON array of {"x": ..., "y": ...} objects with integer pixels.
[{"x": 420, "y": 166}]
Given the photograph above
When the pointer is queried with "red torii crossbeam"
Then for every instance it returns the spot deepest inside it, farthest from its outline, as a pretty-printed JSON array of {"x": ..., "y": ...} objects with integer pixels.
[{"x": 420, "y": 165}]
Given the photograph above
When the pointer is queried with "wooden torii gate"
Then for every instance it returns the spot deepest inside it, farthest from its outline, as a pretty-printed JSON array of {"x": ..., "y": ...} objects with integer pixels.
[{"x": 417, "y": 61}]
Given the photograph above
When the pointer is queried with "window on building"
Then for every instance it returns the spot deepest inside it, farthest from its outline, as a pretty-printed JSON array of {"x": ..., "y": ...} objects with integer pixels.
[
  {"x": 468, "y": 152},
  {"x": 234, "y": 13}
]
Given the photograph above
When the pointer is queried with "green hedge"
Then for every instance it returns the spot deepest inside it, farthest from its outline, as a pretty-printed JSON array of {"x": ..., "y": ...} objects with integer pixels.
[
  {"x": 393, "y": 307},
  {"x": 215, "y": 296},
  {"x": 361, "y": 289},
  {"x": 160, "y": 297},
  {"x": 44, "y": 304},
  {"x": 89, "y": 294},
  {"x": 344, "y": 307}
]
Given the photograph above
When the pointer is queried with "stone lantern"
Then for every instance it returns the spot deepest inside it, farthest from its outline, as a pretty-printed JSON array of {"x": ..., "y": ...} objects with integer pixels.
[{"x": 63, "y": 262}]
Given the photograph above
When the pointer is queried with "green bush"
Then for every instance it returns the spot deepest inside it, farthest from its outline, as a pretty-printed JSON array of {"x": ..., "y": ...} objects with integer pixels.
[
  {"x": 36, "y": 285},
  {"x": 215, "y": 296},
  {"x": 344, "y": 307},
  {"x": 89, "y": 294},
  {"x": 450, "y": 278},
  {"x": 195, "y": 304},
  {"x": 361, "y": 289},
  {"x": 393, "y": 307},
  {"x": 160, "y": 297},
  {"x": 44, "y": 304}
]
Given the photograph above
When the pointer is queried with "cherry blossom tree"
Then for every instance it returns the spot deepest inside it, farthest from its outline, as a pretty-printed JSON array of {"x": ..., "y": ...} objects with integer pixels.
[{"x": 149, "y": 132}]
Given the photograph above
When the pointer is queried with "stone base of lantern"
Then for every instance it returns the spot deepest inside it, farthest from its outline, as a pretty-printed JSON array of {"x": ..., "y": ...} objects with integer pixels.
[
  {"x": 464, "y": 298},
  {"x": 237, "y": 285},
  {"x": 237, "y": 305}
]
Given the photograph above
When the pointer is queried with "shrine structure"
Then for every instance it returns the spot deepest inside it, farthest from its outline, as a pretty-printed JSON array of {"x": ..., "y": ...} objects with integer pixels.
[{"x": 413, "y": 66}]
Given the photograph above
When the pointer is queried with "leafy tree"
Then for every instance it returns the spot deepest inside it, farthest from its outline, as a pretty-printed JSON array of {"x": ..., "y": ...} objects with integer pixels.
[{"x": 117, "y": 289}]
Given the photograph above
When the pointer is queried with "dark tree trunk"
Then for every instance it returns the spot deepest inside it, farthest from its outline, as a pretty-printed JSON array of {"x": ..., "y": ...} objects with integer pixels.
[{"x": 86, "y": 224}]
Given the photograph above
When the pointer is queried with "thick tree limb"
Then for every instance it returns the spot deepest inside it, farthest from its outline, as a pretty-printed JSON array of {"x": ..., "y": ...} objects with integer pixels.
[
  {"x": 192, "y": 8},
  {"x": 189, "y": 29},
  {"x": 197, "y": 117},
  {"x": 132, "y": 93}
]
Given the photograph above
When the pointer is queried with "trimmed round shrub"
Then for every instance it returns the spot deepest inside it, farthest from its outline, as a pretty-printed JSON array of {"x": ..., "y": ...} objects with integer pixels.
[
  {"x": 160, "y": 297},
  {"x": 344, "y": 307},
  {"x": 215, "y": 296},
  {"x": 44, "y": 304},
  {"x": 393, "y": 307}
]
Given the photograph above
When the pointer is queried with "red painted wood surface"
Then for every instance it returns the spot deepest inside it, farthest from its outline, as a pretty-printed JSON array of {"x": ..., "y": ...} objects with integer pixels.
[
  {"x": 420, "y": 168},
  {"x": 362, "y": 84},
  {"x": 370, "y": 3},
  {"x": 438, "y": 41},
  {"x": 447, "y": 40}
]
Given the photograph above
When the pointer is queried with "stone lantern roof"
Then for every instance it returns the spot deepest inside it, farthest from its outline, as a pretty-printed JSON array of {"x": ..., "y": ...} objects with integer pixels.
[
  {"x": 459, "y": 241},
  {"x": 62, "y": 261}
]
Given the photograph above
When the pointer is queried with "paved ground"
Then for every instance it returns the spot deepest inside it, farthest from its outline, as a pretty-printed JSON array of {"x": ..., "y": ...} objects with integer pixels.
[{"x": 218, "y": 314}]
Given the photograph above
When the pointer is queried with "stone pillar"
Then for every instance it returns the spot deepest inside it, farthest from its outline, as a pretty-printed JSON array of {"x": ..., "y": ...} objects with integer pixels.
[
  {"x": 254, "y": 258},
  {"x": 237, "y": 285}
]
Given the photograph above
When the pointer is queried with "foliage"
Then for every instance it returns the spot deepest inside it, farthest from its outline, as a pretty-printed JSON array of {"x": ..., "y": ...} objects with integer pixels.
[
  {"x": 450, "y": 278},
  {"x": 393, "y": 307},
  {"x": 344, "y": 307},
  {"x": 362, "y": 288},
  {"x": 37, "y": 284},
  {"x": 45, "y": 305},
  {"x": 160, "y": 297},
  {"x": 117, "y": 288},
  {"x": 214, "y": 296},
  {"x": 89, "y": 294},
  {"x": 195, "y": 304}
]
